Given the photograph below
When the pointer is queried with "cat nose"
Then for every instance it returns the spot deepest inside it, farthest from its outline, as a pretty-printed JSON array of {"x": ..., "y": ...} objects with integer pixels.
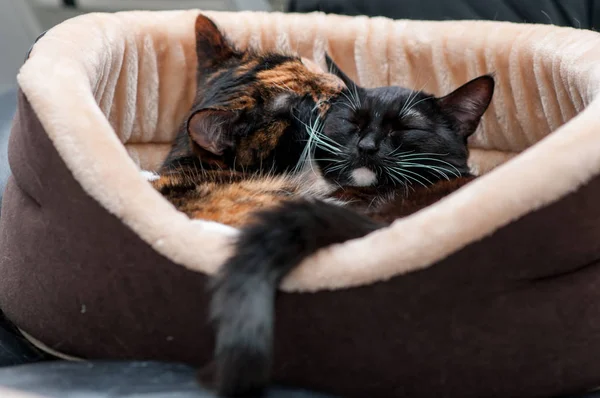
[{"x": 367, "y": 145}]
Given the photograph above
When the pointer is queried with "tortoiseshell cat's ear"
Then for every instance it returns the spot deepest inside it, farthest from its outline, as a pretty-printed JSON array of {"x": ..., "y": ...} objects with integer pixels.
[
  {"x": 335, "y": 70},
  {"x": 468, "y": 103},
  {"x": 212, "y": 47},
  {"x": 210, "y": 129}
]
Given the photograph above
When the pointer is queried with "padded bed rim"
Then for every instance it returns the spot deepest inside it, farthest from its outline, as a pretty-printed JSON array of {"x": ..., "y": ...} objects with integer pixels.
[{"x": 462, "y": 218}]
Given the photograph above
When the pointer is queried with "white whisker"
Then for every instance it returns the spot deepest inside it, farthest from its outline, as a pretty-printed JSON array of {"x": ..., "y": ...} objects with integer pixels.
[{"x": 455, "y": 172}]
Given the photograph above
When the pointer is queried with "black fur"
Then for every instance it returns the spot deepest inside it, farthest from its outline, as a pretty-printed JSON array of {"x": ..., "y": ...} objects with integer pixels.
[
  {"x": 244, "y": 292},
  {"x": 374, "y": 129}
]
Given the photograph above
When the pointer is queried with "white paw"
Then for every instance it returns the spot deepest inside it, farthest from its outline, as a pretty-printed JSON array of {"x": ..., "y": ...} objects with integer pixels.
[
  {"x": 149, "y": 175},
  {"x": 215, "y": 227}
]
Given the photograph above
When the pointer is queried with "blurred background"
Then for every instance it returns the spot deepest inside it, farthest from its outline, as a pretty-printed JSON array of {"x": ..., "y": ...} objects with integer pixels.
[{"x": 22, "y": 21}]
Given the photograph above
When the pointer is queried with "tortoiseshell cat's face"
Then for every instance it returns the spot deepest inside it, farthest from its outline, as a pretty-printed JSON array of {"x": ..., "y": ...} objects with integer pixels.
[
  {"x": 393, "y": 136},
  {"x": 243, "y": 117}
]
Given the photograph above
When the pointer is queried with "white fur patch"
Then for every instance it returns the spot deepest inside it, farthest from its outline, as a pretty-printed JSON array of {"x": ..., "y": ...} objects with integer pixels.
[
  {"x": 149, "y": 175},
  {"x": 311, "y": 182},
  {"x": 208, "y": 226},
  {"x": 363, "y": 177},
  {"x": 216, "y": 228},
  {"x": 281, "y": 101}
]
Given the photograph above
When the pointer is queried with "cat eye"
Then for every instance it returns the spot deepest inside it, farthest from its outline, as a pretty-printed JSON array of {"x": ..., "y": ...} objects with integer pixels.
[
  {"x": 408, "y": 131},
  {"x": 406, "y": 126},
  {"x": 353, "y": 130},
  {"x": 350, "y": 127}
]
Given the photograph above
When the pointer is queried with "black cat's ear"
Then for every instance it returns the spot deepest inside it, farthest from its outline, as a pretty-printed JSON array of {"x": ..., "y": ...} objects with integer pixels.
[
  {"x": 335, "y": 70},
  {"x": 468, "y": 103},
  {"x": 212, "y": 47},
  {"x": 210, "y": 129}
]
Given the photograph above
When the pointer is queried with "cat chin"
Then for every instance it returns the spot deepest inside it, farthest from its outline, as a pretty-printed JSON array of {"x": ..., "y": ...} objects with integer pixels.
[{"x": 363, "y": 177}]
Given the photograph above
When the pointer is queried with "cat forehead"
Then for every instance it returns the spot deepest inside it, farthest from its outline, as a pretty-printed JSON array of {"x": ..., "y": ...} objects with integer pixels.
[
  {"x": 296, "y": 77},
  {"x": 271, "y": 80},
  {"x": 393, "y": 94},
  {"x": 399, "y": 101}
]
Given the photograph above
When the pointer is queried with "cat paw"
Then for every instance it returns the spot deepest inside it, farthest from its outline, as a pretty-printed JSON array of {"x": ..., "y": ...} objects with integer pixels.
[
  {"x": 218, "y": 228},
  {"x": 149, "y": 175}
]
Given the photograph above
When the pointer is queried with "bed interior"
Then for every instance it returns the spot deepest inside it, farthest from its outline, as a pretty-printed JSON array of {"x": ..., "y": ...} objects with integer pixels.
[
  {"x": 533, "y": 95},
  {"x": 137, "y": 81}
]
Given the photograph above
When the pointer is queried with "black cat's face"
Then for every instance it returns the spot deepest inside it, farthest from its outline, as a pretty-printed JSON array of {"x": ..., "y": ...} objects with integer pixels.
[{"x": 393, "y": 136}]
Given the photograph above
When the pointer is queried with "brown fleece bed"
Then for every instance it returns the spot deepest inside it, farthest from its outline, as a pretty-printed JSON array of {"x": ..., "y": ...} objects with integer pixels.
[{"x": 492, "y": 292}]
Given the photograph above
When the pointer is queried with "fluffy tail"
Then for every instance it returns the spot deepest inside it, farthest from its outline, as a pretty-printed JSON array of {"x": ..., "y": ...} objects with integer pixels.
[{"x": 243, "y": 293}]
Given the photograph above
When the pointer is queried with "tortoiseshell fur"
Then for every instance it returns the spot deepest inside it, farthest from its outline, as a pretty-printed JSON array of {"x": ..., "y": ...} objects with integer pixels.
[
  {"x": 243, "y": 125},
  {"x": 228, "y": 197}
]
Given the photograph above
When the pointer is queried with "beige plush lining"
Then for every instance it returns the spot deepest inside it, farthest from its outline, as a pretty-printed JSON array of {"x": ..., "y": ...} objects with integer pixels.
[{"x": 100, "y": 80}]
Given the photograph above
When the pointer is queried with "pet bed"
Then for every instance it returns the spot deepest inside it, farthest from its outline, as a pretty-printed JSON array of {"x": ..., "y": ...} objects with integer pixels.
[{"x": 493, "y": 291}]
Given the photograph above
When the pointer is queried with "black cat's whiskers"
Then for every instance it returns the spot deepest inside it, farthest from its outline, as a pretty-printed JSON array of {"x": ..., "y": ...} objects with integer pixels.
[
  {"x": 441, "y": 171},
  {"x": 398, "y": 178},
  {"x": 351, "y": 104},
  {"x": 326, "y": 143},
  {"x": 412, "y": 159},
  {"x": 342, "y": 166},
  {"x": 408, "y": 101},
  {"x": 395, "y": 151},
  {"x": 352, "y": 96},
  {"x": 402, "y": 166},
  {"x": 308, "y": 150},
  {"x": 406, "y": 175},
  {"x": 417, "y": 176},
  {"x": 410, "y": 107},
  {"x": 408, "y": 104},
  {"x": 316, "y": 138}
]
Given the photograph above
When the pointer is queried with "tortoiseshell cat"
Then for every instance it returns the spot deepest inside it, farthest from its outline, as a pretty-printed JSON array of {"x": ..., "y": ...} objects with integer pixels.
[
  {"x": 243, "y": 134},
  {"x": 385, "y": 139}
]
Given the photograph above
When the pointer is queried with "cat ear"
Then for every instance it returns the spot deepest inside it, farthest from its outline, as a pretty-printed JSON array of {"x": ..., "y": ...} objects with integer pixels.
[
  {"x": 335, "y": 70},
  {"x": 468, "y": 103},
  {"x": 211, "y": 130},
  {"x": 211, "y": 46}
]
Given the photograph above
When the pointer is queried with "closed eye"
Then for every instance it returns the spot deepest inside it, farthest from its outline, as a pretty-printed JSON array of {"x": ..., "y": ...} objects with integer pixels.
[
  {"x": 350, "y": 126},
  {"x": 354, "y": 130},
  {"x": 349, "y": 121},
  {"x": 409, "y": 132},
  {"x": 416, "y": 130}
]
